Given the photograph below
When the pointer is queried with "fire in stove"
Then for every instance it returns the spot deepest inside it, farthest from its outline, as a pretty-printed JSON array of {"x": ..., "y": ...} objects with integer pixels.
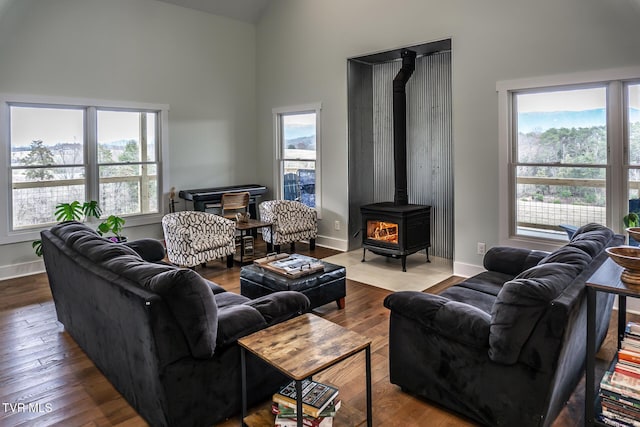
[{"x": 384, "y": 231}]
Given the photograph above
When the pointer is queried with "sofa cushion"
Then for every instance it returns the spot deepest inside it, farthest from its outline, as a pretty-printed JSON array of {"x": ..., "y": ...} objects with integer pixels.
[
  {"x": 488, "y": 282},
  {"x": 237, "y": 321},
  {"x": 478, "y": 299},
  {"x": 87, "y": 242},
  {"x": 228, "y": 299},
  {"x": 592, "y": 241},
  {"x": 568, "y": 255},
  {"x": 509, "y": 260},
  {"x": 191, "y": 301},
  {"x": 521, "y": 303},
  {"x": 99, "y": 250},
  {"x": 150, "y": 250},
  {"x": 135, "y": 269}
]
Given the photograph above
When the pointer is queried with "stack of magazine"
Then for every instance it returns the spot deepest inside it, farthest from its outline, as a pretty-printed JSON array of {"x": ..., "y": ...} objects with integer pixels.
[
  {"x": 620, "y": 387},
  {"x": 319, "y": 405}
]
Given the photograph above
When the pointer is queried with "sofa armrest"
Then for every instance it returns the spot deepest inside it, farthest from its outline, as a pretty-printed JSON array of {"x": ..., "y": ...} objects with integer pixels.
[
  {"x": 150, "y": 250},
  {"x": 513, "y": 261},
  {"x": 280, "y": 306},
  {"x": 454, "y": 320},
  {"x": 237, "y": 321}
]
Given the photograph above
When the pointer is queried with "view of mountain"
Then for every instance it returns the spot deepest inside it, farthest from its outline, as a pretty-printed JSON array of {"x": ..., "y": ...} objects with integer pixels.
[
  {"x": 302, "y": 143},
  {"x": 297, "y": 130},
  {"x": 541, "y": 121}
]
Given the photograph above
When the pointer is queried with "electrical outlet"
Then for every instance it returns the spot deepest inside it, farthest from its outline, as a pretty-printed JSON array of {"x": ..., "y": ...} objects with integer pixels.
[
  {"x": 482, "y": 248},
  {"x": 336, "y": 225}
]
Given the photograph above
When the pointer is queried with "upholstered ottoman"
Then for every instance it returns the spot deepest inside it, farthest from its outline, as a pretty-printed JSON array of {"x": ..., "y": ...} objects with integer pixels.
[{"x": 321, "y": 287}]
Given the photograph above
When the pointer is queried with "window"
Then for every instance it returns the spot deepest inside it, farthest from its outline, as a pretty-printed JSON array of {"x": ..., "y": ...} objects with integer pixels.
[
  {"x": 64, "y": 151},
  {"x": 632, "y": 112},
  {"x": 127, "y": 162},
  {"x": 569, "y": 153},
  {"x": 297, "y": 146}
]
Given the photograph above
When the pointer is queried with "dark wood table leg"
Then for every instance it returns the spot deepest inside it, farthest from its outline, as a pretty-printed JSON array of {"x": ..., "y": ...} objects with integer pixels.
[
  {"x": 589, "y": 389},
  {"x": 622, "y": 318},
  {"x": 299, "y": 416},
  {"x": 241, "y": 246},
  {"x": 243, "y": 375},
  {"x": 368, "y": 379}
]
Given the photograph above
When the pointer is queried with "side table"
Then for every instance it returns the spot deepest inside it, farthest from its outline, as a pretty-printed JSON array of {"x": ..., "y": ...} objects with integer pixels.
[
  {"x": 605, "y": 279},
  {"x": 302, "y": 347},
  {"x": 246, "y": 226}
]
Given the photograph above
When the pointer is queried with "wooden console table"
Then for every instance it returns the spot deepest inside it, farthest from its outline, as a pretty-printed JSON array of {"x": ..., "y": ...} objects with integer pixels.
[{"x": 302, "y": 347}]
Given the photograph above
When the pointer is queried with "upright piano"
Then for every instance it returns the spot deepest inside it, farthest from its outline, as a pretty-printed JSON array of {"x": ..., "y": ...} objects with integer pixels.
[{"x": 210, "y": 197}]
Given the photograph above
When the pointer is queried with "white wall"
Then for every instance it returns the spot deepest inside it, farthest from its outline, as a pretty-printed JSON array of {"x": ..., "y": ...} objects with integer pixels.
[
  {"x": 200, "y": 64},
  {"x": 302, "y": 51},
  {"x": 206, "y": 68}
]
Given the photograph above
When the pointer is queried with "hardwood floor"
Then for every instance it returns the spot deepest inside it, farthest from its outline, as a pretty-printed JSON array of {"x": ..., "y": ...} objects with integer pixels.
[{"x": 42, "y": 366}]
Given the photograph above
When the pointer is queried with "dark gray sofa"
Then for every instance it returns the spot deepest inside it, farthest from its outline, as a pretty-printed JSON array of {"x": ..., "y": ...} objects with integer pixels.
[
  {"x": 507, "y": 346},
  {"x": 163, "y": 336}
]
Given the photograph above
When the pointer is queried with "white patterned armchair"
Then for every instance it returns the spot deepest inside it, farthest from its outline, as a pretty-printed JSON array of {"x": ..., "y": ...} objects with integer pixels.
[
  {"x": 194, "y": 237},
  {"x": 292, "y": 221}
]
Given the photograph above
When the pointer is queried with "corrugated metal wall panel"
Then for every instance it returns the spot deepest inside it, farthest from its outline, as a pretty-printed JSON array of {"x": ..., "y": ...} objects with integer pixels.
[
  {"x": 429, "y": 142},
  {"x": 383, "y": 177}
]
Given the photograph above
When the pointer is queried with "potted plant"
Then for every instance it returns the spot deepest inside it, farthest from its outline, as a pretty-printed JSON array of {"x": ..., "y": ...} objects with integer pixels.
[
  {"x": 113, "y": 224},
  {"x": 76, "y": 211},
  {"x": 73, "y": 211},
  {"x": 632, "y": 220}
]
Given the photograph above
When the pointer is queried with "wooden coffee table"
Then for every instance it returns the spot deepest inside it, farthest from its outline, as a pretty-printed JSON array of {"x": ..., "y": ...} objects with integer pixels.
[{"x": 302, "y": 347}]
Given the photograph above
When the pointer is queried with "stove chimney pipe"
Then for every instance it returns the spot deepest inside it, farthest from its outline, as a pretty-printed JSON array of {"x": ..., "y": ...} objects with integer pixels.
[{"x": 401, "y": 196}]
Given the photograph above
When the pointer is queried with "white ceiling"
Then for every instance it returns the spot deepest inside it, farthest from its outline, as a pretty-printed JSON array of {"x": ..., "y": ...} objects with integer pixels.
[{"x": 242, "y": 10}]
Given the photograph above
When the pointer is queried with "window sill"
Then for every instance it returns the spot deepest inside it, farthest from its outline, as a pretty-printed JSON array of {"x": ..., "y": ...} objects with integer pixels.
[{"x": 34, "y": 234}]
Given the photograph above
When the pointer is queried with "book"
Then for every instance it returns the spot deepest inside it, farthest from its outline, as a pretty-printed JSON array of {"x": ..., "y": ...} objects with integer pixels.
[
  {"x": 613, "y": 423},
  {"x": 620, "y": 418},
  {"x": 626, "y": 370},
  {"x": 307, "y": 422},
  {"x": 628, "y": 355},
  {"x": 290, "y": 411},
  {"x": 633, "y": 327},
  {"x": 631, "y": 344},
  {"x": 629, "y": 365},
  {"x": 622, "y": 384},
  {"x": 316, "y": 396},
  {"x": 621, "y": 410},
  {"x": 620, "y": 398}
]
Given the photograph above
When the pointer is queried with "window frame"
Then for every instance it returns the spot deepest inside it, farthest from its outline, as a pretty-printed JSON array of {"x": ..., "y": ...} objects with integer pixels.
[
  {"x": 279, "y": 159},
  {"x": 90, "y": 107},
  {"x": 617, "y": 193}
]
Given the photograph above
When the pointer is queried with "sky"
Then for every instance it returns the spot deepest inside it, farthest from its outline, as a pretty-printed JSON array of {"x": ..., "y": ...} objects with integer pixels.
[
  {"x": 566, "y": 100},
  {"x": 572, "y": 100},
  {"x": 54, "y": 125}
]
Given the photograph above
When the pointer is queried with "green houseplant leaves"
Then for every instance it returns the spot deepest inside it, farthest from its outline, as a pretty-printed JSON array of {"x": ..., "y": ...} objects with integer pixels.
[{"x": 75, "y": 211}]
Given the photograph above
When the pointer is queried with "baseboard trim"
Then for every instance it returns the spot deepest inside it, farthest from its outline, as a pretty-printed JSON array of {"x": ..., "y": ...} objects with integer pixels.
[
  {"x": 20, "y": 270},
  {"x": 466, "y": 270},
  {"x": 332, "y": 243}
]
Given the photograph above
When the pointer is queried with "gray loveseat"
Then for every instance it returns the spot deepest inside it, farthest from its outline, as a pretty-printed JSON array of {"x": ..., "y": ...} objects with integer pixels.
[
  {"x": 164, "y": 336},
  {"x": 507, "y": 346}
]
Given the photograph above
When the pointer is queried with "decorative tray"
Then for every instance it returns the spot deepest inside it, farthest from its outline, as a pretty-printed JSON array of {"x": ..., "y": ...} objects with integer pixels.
[{"x": 292, "y": 266}]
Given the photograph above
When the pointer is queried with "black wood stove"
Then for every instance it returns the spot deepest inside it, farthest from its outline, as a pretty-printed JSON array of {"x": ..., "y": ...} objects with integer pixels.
[{"x": 397, "y": 229}]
